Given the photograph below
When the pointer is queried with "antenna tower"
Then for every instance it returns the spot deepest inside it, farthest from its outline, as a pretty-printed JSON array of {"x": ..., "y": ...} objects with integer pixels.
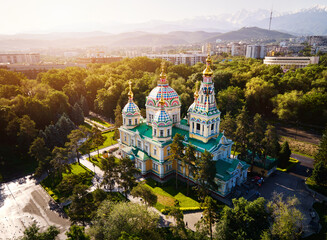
[{"x": 271, "y": 12}]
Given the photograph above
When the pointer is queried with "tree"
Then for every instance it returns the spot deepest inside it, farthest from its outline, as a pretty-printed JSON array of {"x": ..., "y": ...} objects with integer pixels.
[
  {"x": 127, "y": 171},
  {"x": 242, "y": 131},
  {"x": 209, "y": 214},
  {"x": 84, "y": 105},
  {"x": 109, "y": 166},
  {"x": 77, "y": 233},
  {"x": 59, "y": 163},
  {"x": 87, "y": 145},
  {"x": 319, "y": 173},
  {"x": 32, "y": 233},
  {"x": 41, "y": 153},
  {"x": 179, "y": 230},
  {"x": 75, "y": 138},
  {"x": 284, "y": 155},
  {"x": 271, "y": 143},
  {"x": 204, "y": 174},
  {"x": 231, "y": 100},
  {"x": 176, "y": 152},
  {"x": 97, "y": 138},
  {"x": 145, "y": 193},
  {"x": 77, "y": 115},
  {"x": 228, "y": 126},
  {"x": 258, "y": 94},
  {"x": 256, "y": 136},
  {"x": 113, "y": 219},
  {"x": 320, "y": 166},
  {"x": 287, "y": 105},
  {"x": 189, "y": 161},
  {"x": 26, "y": 133},
  {"x": 81, "y": 206},
  {"x": 287, "y": 219},
  {"x": 246, "y": 220}
]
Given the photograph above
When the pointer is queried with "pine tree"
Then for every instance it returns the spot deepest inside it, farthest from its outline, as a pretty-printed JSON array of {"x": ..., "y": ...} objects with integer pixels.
[
  {"x": 228, "y": 125},
  {"x": 77, "y": 115},
  {"x": 176, "y": 150},
  {"x": 320, "y": 168},
  {"x": 284, "y": 155},
  {"x": 242, "y": 131}
]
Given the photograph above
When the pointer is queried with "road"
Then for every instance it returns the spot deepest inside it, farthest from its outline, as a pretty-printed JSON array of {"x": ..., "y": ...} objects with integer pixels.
[{"x": 304, "y": 168}]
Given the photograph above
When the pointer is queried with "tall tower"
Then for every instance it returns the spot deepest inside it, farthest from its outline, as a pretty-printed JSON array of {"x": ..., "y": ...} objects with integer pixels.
[{"x": 204, "y": 116}]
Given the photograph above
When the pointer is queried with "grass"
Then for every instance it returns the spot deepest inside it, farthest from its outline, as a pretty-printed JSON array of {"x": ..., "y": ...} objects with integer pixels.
[
  {"x": 291, "y": 163},
  {"x": 167, "y": 194},
  {"x": 54, "y": 192},
  {"x": 314, "y": 186},
  {"x": 300, "y": 147},
  {"x": 103, "y": 123},
  {"x": 97, "y": 160},
  {"x": 109, "y": 141},
  {"x": 322, "y": 212}
]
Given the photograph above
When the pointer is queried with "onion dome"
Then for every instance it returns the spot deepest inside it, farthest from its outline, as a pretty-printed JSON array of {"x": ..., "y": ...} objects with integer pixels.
[
  {"x": 131, "y": 108},
  {"x": 169, "y": 95},
  {"x": 161, "y": 118},
  {"x": 196, "y": 95}
]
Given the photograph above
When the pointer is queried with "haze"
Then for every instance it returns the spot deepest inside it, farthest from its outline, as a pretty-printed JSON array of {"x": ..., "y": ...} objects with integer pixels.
[{"x": 41, "y": 16}]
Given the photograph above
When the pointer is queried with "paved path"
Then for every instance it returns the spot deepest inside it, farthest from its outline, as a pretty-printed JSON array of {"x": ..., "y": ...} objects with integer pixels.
[
  {"x": 23, "y": 202},
  {"x": 291, "y": 185},
  {"x": 190, "y": 218}
]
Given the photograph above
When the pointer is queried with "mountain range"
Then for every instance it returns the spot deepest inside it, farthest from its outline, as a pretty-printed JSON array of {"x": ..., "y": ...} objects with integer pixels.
[
  {"x": 131, "y": 39},
  {"x": 309, "y": 21}
]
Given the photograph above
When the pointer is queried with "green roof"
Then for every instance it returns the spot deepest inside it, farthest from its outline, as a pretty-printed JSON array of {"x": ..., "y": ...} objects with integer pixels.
[
  {"x": 224, "y": 168},
  {"x": 184, "y": 122},
  {"x": 146, "y": 131},
  {"x": 201, "y": 146}
]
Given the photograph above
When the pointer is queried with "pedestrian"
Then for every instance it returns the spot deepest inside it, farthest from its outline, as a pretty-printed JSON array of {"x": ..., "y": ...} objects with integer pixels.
[{"x": 186, "y": 225}]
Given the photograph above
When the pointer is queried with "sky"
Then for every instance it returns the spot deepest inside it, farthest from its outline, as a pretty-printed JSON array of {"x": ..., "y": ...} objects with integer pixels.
[{"x": 23, "y": 16}]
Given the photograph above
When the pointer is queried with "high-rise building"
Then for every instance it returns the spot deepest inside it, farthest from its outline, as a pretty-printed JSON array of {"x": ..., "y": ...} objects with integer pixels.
[
  {"x": 255, "y": 51},
  {"x": 189, "y": 59},
  {"x": 12, "y": 58}
]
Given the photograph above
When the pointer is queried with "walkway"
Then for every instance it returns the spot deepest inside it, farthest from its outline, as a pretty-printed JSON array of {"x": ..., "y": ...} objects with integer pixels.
[{"x": 165, "y": 220}]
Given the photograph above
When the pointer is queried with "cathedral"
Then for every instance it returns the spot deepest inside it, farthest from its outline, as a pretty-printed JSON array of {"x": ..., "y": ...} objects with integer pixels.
[{"x": 146, "y": 141}]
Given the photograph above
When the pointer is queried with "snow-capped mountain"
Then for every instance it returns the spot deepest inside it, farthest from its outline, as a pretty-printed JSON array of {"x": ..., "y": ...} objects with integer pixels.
[{"x": 310, "y": 21}]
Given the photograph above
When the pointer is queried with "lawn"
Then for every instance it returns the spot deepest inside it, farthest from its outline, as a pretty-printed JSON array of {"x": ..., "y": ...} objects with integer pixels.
[
  {"x": 109, "y": 141},
  {"x": 97, "y": 160},
  {"x": 318, "y": 188},
  {"x": 54, "y": 192},
  {"x": 167, "y": 194},
  {"x": 98, "y": 120},
  {"x": 322, "y": 211}
]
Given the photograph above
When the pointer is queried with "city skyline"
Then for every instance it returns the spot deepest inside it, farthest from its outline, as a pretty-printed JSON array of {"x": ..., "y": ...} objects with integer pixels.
[{"x": 47, "y": 16}]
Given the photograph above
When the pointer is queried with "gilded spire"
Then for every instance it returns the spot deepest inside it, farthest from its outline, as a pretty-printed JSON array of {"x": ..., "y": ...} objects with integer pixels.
[
  {"x": 196, "y": 94},
  {"x": 130, "y": 93},
  {"x": 163, "y": 73},
  {"x": 208, "y": 72},
  {"x": 162, "y": 101}
]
